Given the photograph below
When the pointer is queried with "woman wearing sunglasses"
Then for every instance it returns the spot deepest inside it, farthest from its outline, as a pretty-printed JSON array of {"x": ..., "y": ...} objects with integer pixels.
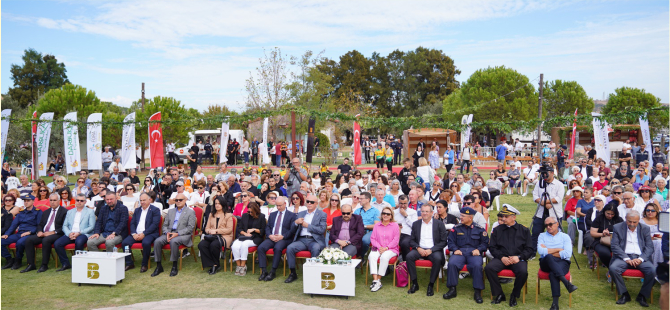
[
  {"x": 9, "y": 211},
  {"x": 66, "y": 199},
  {"x": 590, "y": 216},
  {"x": 250, "y": 232},
  {"x": 81, "y": 187},
  {"x": 385, "y": 241},
  {"x": 602, "y": 181},
  {"x": 148, "y": 185},
  {"x": 332, "y": 211},
  {"x": 645, "y": 196},
  {"x": 242, "y": 207},
  {"x": 650, "y": 217},
  {"x": 42, "y": 197},
  {"x": 297, "y": 203}
]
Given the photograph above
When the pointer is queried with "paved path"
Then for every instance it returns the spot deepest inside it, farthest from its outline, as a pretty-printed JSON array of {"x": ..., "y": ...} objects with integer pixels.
[{"x": 217, "y": 303}]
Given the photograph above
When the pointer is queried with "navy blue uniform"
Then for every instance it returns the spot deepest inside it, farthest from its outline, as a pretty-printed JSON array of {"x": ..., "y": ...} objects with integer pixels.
[
  {"x": 466, "y": 239},
  {"x": 25, "y": 221}
]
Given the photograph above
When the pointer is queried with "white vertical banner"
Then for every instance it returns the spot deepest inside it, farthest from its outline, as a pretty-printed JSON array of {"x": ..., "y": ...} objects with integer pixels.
[
  {"x": 225, "y": 133},
  {"x": 601, "y": 138},
  {"x": 263, "y": 147},
  {"x": 71, "y": 143},
  {"x": 42, "y": 141},
  {"x": 468, "y": 131},
  {"x": 94, "y": 141},
  {"x": 5, "y": 127},
  {"x": 128, "y": 153},
  {"x": 646, "y": 137}
]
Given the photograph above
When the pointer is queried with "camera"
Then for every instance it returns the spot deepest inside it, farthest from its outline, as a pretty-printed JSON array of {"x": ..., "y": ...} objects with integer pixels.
[{"x": 544, "y": 170}]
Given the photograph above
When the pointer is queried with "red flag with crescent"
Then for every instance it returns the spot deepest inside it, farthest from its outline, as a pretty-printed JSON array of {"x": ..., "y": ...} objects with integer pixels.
[
  {"x": 156, "y": 141},
  {"x": 574, "y": 133},
  {"x": 357, "y": 144}
]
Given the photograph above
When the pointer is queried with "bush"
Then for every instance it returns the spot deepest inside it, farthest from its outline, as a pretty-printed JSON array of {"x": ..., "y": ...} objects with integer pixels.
[{"x": 324, "y": 145}]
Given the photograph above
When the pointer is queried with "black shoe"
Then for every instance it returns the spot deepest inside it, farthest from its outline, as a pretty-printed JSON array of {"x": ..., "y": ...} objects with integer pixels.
[
  {"x": 43, "y": 268},
  {"x": 263, "y": 275},
  {"x": 478, "y": 296},
  {"x": 10, "y": 263},
  {"x": 214, "y": 270},
  {"x": 29, "y": 268},
  {"x": 291, "y": 277},
  {"x": 63, "y": 268},
  {"x": 571, "y": 287},
  {"x": 186, "y": 253},
  {"x": 512, "y": 300},
  {"x": 642, "y": 301},
  {"x": 128, "y": 267},
  {"x": 554, "y": 307},
  {"x": 429, "y": 291},
  {"x": 17, "y": 265},
  {"x": 174, "y": 271},
  {"x": 413, "y": 288},
  {"x": 623, "y": 299},
  {"x": 506, "y": 280},
  {"x": 500, "y": 298},
  {"x": 157, "y": 271},
  {"x": 144, "y": 269},
  {"x": 271, "y": 276},
  {"x": 450, "y": 294}
]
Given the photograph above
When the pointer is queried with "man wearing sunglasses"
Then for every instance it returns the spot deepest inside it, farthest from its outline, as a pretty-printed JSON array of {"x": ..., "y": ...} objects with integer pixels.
[
  {"x": 555, "y": 248},
  {"x": 347, "y": 231},
  {"x": 428, "y": 239},
  {"x": 78, "y": 226},
  {"x": 178, "y": 226},
  {"x": 48, "y": 231},
  {"x": 112, "y": 224},
  {"x": 308, "y": 234},
  {"x": 179, "y": 191}
]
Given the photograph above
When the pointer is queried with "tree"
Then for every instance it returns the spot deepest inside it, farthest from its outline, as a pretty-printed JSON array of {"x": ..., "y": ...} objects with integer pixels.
[
  {"x": 36, "y": 76},
  {"x": 309, "y": 89},
  {"x": 628, "y": 98},
  {"x": 498, "y": 93},
  {"x": 171, "y": 109},
  {"x": 18, "y": 148},
  {"x": 561, "y": 98},
  {"x": 267, "y": 90},
  {"x": 214, "y": 111}
]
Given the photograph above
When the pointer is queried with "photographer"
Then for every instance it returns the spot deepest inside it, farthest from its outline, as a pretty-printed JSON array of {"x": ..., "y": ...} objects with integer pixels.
[
  {"x": 294, "y": 176},
  {"x": 546, "y": 206}
]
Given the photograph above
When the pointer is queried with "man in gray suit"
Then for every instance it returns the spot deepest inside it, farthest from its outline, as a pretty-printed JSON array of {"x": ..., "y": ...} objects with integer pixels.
[
  {"x": 632, "y": 249},
  {"x": 308, "y": 231},
  {"x": 177, "y": 229}
]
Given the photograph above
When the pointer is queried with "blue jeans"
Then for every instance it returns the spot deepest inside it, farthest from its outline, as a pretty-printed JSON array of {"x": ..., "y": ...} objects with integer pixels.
[
  {"x": 105, "y": 166},
  {"x": 59, "y": 245},
  {"x": 365, "y": 244},
  {"x": 278, "y": 160},
  {"x": 246, "y": 157}
]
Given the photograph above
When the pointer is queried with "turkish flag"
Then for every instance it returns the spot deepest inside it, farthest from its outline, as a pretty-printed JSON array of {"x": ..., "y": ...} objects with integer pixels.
[
  {"x": 156, "y": 141},
  {"x": 574, "y": 134},
  {"x": 357, "y": 144}
]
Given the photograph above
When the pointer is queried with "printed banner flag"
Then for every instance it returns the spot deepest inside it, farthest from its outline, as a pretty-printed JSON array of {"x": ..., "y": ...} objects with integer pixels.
[
  {"x": 156, "y": 154},
  {"x": 94, "y": 141},
  {"x": 310, "y": 140},
  {"x": 5, "y": 126},
  {"x": 33, "y": 146},
  {"x": 646, "y": 137},
  {"x": 128, "y": 153},
  {"x": 357, "y": 143},
  {"x": 225, "y": 134},
  {"x": 71, "y": 143},
  {"x": 465, "y": 135},
  {"x": 43, "y": 136},
  {"x": 574, "y": 136},
  {"x": 601, "y": 138},
  {"x": 263, "y": 147}
]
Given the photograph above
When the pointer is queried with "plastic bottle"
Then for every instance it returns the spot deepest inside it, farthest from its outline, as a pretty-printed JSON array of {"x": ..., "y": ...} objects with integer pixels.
[{"x": 127, "y": 250}]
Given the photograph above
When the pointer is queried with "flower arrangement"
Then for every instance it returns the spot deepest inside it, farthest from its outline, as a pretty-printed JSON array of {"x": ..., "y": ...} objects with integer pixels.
[{"x": 330, "y": 256}]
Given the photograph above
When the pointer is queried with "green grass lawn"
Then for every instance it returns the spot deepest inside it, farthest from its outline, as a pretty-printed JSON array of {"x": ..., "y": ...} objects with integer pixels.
[{"x": 28, "y": 291}]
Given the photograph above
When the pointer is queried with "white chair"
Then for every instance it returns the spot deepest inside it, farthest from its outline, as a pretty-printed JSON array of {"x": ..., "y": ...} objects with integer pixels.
[
  {"x": 580, "y": 241},
  {"x": 26, "y": 170},
  {"x": 497, "y": 202}
]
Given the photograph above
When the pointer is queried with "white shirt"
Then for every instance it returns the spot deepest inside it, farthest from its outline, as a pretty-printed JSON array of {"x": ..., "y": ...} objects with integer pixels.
[
  {"x": 77, "y": 220},
  {"x": 197, "y": 197},
  {"x": 381, "y": 205},
  {"x": 632, "y": 244},
  {"x": 170, "y": 147},
  {"x": 53, "y": 222},
  {"x": 199, "y": 176},
  {"x": 556, "y": 191},
  {"x": 406, "y": 222},
  {"x": 245, "y": 147},
  {"x": 143, "y": 218},
  {"x": 107, "y": 157},
  {"x": 623, "y": 210},
  {"x": 12, "y": 183},
  {"x": 308, "y": 219},
  {"x": 116, "y": 165},
  {"x": 91, "y": 203},
  {"x": 518, "y": 146},
  {"x": 426, "y": 241}
]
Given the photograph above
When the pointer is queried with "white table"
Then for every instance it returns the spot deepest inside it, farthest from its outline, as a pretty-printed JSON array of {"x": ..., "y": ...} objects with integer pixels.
[
  {"x": 98, "y": 268},
  {"x": 330, "y": 279}
]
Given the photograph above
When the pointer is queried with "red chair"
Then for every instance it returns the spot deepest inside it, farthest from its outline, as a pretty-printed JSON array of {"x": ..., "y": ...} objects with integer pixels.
[
  {"x": 118, "y": 246},
  {"x": 509, "y": 274},
  {"x": 12, "y": 247},
  {"x": 43, "y": 208},
  {"x": 632, "y": 274},
  {"x": 138, "y": 246},
  {"x": 541, "y": 275},
  {"x": 392, "y": 262},
  {"x": 182, "y": 248},
  {"x": 271, "y": 253},
  {"x": 426, "y": 264}
]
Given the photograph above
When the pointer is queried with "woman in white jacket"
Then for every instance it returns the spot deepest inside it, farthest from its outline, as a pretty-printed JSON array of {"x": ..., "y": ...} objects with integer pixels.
[{"x": 426, "y": 173}]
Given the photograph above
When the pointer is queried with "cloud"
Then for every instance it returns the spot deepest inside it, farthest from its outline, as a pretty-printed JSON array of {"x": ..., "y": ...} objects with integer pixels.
[{"x": 118, "y": 100}]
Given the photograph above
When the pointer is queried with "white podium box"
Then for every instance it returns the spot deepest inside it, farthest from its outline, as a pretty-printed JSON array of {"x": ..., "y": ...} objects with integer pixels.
[
  {"x": 98, "y": 268},
  {"x": 330, "y": 279}
]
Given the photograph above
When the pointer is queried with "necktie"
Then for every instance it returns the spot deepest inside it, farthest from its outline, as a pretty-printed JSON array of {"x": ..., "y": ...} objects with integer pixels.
[
  {"x": 278, "y": 224},
  {"x": 51, "y": 220}
]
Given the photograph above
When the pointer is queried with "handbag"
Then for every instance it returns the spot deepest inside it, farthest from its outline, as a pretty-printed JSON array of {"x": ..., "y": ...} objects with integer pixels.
[
  {"x": 606, "y": 241},
  {"x": 402, "y": 275},
  {"x": 209, "y": 237}
]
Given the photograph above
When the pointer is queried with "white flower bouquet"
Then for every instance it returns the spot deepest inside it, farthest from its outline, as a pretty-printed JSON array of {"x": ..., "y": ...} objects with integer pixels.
[{"x": 331, "y": 256}]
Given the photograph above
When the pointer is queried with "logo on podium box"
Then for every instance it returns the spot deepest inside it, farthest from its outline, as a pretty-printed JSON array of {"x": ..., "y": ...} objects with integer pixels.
[
  {"x": 92, "y": 272},
  {"x": 327, "y": 281}
]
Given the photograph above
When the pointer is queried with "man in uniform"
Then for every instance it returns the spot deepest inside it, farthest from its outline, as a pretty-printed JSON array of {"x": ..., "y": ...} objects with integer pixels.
[
  {"x": 467, "y": 243},
  {"x": 511, "y": 247},
  {"x": 397, "y": 152}
]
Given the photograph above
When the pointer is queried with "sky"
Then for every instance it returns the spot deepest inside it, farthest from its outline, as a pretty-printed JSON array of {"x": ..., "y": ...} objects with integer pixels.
[{"x": 201, "y": 52}]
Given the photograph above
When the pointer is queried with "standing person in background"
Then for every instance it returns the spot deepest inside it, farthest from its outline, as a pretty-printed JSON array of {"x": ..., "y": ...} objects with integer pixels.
[
  {"x": 335, "y": 147},
  {"x": 254, "y": 152},
  {"x": 434, "y": 158},
  {"x": 366, "y": 149},
  {"x": 397, "y": 152},
  {"x": 107, "y": 158},
  {"x": 208, "y": 151},
  {"x": 501, "y": 153},
  {"x": 448, "y": 158},
  {"x": 465, "y": 157},
  {"x": 192, "y": 161},
  {"x": 172, "y": 157},
  {"x": 245, "y": 149},
  {"x": 215, "y": 152},
  {"x": 388, "y": 154}
]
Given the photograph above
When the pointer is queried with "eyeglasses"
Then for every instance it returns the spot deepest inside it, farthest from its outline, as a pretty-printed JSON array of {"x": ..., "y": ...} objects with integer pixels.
[
  {"x": 334, "y": 200},
  {"x": 627, "y": 198},
  {"x": 467, "y": 203},
  {"x": 346, "y": 213},
  {"x": 244, "y": 196},
  {"x": 550, "y": 224},
  {"x": 80, "y": 181},
  {"x": 43, "y": 190},
  {"x": 598, "y": 200},
  {"x": 386, "y": 213},
  {"x": 275, "y": 175},
  {"x": 354, "y": 197},
  {"x": 311, "y": 202},
  {"x": 618, "y": 193},
  {"x": 179, "y": 200},
  {"x": 9, "y": 200},
  {"x": 295, "y": 198},
  {"x": 80, "y": 200},
  {"x": 272, "y": 197},
  {"x": 200, "y": 187},
  {"x": 180, "y": 185},
  {"x": 602, "y": 175},
  {"x": 650, "y": 210}
]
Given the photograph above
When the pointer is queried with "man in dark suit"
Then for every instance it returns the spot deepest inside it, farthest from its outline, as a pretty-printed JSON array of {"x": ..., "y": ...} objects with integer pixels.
[
  {"x": 48, "y": 231},
  {"x": 112, "y": 225},
  {"x": 632, "y": 249},
  {"x": 348, "y": 239},
  {"x": 279, "y": 236},
  {"x": 143, "y": 229},
  {"x": 308, "y": 229},
  {"x": 429, "y": 237}
]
